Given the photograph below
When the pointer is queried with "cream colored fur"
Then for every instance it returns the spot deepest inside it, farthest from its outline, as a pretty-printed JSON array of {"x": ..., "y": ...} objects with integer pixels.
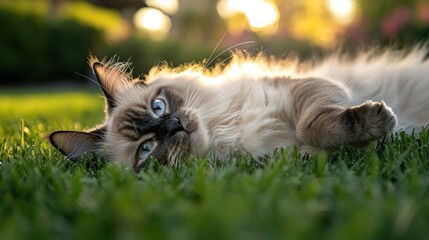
[
  {"x": 257, "y": 104},
  {"x": 248, "y": 106}
]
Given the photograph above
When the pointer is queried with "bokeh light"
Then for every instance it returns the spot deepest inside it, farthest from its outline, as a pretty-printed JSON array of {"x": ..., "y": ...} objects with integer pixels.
[
  {"x": 153, "y": 21},
  {"x": 259, "y": 13},
  {"x": 343, "y": 10}
]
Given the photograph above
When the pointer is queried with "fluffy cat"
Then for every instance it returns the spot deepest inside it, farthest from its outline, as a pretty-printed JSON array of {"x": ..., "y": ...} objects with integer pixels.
[{"x": 253, "y": 105}]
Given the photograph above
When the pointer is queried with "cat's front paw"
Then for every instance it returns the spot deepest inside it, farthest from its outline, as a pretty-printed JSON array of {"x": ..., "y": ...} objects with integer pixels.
[
  {"x": 372, "y": 120},
  {"x": 306, "y": 150}
]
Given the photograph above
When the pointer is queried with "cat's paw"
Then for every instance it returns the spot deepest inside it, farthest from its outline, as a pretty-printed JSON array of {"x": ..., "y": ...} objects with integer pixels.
[
  {"x": 372, "y": 120},
  {"x": 306, "y": 150}
]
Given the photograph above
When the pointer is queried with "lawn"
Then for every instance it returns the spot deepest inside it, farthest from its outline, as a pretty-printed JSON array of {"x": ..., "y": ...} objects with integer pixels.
[{"x": 379, "y": 193}]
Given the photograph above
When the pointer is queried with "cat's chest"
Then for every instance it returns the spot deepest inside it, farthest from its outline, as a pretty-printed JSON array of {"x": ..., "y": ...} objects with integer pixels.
[{"x": 263, "y": 123}]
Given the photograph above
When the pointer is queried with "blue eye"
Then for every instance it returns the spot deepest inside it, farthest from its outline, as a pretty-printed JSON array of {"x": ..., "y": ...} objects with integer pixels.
[
  {"x": 146, "y": 149},
  {"x": 158, "y": 107}
]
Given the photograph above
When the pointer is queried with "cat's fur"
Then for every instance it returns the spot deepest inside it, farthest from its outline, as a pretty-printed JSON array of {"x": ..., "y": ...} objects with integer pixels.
[{"x": 254, "y": 105}]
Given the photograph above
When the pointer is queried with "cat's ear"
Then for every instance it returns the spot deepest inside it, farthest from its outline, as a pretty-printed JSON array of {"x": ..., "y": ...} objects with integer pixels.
[
  {"x": 74, "y": 144},
  {"x": 111, "y": 79}
]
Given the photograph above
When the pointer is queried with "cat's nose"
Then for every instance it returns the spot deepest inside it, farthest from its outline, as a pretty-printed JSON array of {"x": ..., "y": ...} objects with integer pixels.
[{"x": 171, "y": 125}]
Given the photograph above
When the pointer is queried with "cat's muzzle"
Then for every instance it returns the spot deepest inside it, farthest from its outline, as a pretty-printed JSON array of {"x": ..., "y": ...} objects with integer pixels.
[{"x": 171, "y": 126}]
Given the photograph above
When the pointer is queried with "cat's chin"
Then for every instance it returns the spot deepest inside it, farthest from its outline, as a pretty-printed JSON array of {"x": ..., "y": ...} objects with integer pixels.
[
  {"x": 198, "y": 134},
  {"x": 198, "y": 140},
  {"x": 193, "y": 137}
]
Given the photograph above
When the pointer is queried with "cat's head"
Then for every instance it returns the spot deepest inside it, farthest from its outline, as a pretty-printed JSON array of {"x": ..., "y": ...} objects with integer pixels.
[{"x": 143, "y": 120}]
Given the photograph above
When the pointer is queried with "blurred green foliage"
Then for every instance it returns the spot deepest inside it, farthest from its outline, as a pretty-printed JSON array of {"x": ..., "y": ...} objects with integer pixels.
[
  {"x": 35, "y": 49},
  {"x": 38, "y": 48},
  {"x": 92, "y": 15}
]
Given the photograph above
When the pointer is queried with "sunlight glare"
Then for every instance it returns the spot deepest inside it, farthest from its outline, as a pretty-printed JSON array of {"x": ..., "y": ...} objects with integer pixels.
[
  {"x": 260, "y": 14},
  {"x": 228, "y": 8},
  {"x": 342, "y": 9},
  {"x": 168, "y": 6},
  {"x": 153, "y": 21}
]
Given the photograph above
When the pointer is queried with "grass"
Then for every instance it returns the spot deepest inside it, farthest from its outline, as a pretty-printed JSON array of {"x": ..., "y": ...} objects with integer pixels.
[{"x": 379, "y": 193}]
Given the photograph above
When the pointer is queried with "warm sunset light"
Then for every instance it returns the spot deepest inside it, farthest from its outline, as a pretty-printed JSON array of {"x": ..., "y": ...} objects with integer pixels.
[
  {"x": 342, "y": 9},
  {"x": 167, "y": 6},
  {"x": 153, "y": 21},
  {"x": 228, "y": 8},
  {"x": 259, "y": 13}
]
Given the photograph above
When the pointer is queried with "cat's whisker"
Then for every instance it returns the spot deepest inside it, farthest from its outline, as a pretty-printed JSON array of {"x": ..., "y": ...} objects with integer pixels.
[
  {"x": 217, "y": 45},
  {"x": 88, "y": 78},
  {"x": 232, "y": 47},
  {"x": 226, "y": 59},
  {"x": 189, "y": 96},
  {"x": 97, "y": 83},
  {"x": 196, "y": 97},
  {"x": 92, "y": 80}
]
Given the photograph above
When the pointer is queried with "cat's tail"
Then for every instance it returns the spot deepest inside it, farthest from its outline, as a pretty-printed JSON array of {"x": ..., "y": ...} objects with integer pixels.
[{"x": 399, "y": 78}]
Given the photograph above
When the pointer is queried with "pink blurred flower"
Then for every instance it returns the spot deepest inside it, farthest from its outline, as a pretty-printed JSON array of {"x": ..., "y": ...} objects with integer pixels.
[{"x": 395, "y": 21}]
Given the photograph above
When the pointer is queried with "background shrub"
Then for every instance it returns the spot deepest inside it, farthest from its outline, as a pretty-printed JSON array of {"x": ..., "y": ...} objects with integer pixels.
[{"x": 35, "y": 48}]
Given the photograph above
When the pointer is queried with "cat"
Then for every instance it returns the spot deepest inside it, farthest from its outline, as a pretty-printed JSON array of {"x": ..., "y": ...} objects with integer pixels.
[{"x": 253, "y": 105}]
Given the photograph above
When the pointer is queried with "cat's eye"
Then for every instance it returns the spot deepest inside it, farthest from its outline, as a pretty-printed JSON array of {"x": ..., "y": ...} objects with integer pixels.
[
  {"x": 146, "y": 149},
  {"x": 158, "y": 106}
]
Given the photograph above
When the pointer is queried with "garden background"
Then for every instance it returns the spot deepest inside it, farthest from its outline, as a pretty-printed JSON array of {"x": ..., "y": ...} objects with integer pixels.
[{"x": 47, "y": 41}]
